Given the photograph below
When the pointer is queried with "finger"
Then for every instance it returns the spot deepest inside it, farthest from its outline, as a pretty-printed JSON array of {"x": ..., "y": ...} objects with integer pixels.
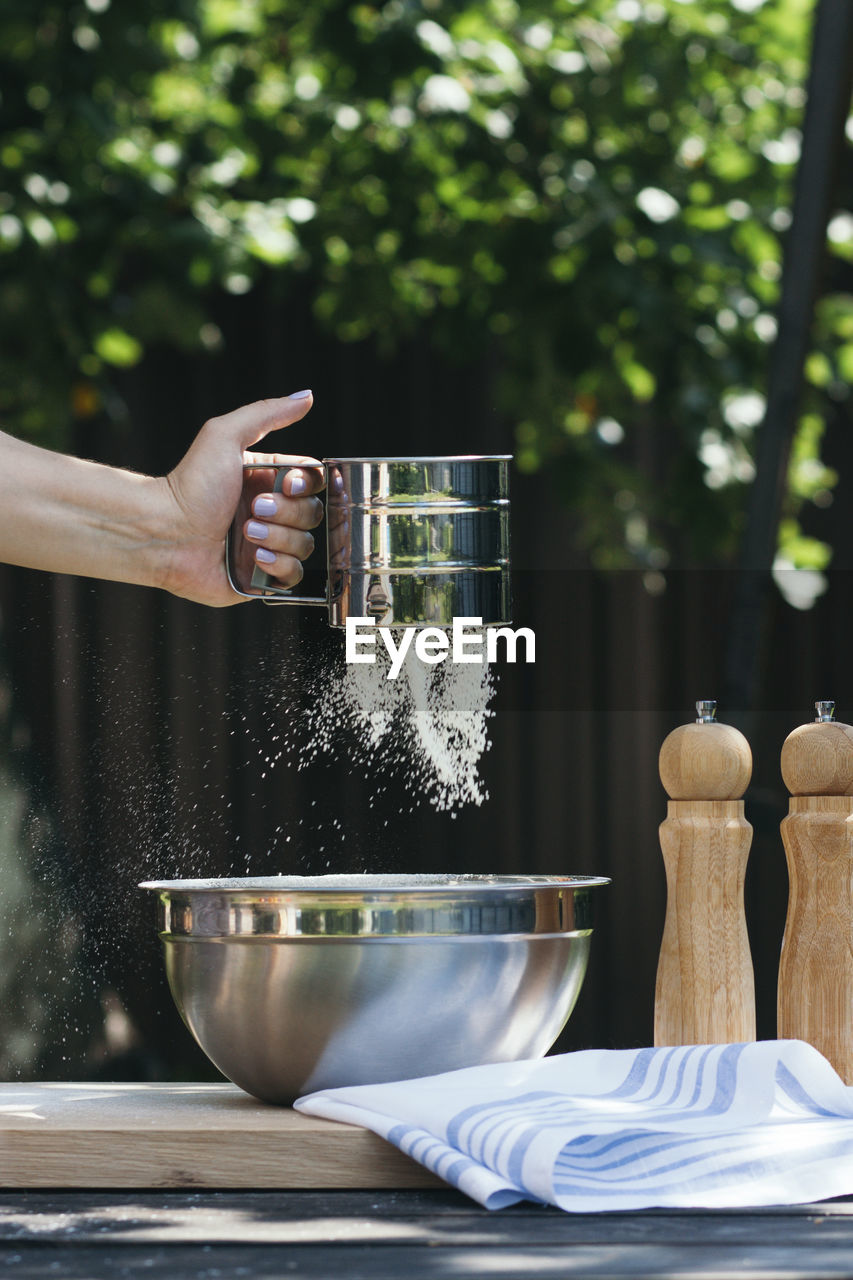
[
  {"x": 297, "y": 480},
  {"x": 284, "y": 460},
  {"x": 298, "y": 513},
  {"x": 279, "y": 539},
  {"x": 251, "y": 422},
  {"x": 302, "y": 480},
  {"x": 287, "y": 570}
]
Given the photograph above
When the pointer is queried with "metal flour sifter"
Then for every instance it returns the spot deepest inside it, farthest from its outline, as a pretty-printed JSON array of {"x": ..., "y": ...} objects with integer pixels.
[{"x": 410, "y": 542}]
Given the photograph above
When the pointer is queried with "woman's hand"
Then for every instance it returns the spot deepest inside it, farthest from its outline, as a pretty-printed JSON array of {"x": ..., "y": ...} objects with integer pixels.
[
  {"x": 209, "y": 485},
  {"x": 206, "y": 488},
  {"x": 67, "y": 515}
]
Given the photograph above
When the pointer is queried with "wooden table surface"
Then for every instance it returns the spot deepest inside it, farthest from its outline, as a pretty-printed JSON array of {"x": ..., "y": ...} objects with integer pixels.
[
  {"x": 103, "y": 1181},
  {"x": 415, "y": 1235},
  {"x": 186, "y": 1136}
]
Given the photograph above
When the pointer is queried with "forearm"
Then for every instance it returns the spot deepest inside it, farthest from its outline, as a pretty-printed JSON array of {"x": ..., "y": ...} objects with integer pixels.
[{"x": 68, "y": 515}]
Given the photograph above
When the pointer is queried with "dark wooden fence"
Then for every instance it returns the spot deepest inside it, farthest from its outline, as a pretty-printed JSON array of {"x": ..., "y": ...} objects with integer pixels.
[{"x": 138, "y": 724}]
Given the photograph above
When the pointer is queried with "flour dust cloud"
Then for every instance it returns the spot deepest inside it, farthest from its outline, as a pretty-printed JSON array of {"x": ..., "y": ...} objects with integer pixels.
[{"x": 430, "y": 724}]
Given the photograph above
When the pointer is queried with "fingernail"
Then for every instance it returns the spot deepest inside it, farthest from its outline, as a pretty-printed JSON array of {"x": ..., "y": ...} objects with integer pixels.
[
  {"x": 264, "y": 506},
  {"x": 297, "y": 483},
  {"x": 257, "y": 530},
  {"x": 300, "y": 395},
  {"x": 337, "y": 482},
  {"x": 263, "y": 556}
]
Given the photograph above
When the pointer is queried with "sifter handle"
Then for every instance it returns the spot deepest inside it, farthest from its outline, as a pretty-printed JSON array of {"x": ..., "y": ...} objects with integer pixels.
[{"x": 261, "y": 580}]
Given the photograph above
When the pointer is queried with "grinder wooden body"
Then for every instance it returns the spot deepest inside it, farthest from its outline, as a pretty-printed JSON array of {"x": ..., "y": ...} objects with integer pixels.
[
  {"x": 815, "y": 992},
  {"x": 705, "y": 991}
]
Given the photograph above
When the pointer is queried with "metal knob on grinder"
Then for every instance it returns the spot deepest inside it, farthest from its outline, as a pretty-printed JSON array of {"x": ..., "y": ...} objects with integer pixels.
[
  {"x": 815, "y": 991},
  {"x": 705, "y": 991}
]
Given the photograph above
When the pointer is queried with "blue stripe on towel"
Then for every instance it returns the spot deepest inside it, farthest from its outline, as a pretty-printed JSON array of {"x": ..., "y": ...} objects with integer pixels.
[
  {"x": 704, "y": 1057},
  {"x": 445, "y": 1162},
  {"x": 636, "y": 1143},
  {"x": 725, "y": 1166},
  {"x": 636, "y": 1077},
  {"x": 793, "y": 1087},
  {"x": 547, "y": 1109}
]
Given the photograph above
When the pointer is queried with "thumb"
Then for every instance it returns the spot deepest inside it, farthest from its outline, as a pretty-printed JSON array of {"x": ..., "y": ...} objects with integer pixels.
[{"x": 251, "y": 422}]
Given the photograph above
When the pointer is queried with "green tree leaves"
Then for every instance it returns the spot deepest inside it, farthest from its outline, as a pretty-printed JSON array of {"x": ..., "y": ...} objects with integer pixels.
[{"x": 598, "y": 189}]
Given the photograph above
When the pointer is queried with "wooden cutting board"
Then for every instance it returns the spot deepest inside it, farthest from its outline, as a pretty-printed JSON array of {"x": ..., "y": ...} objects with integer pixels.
[{"x": 184, "y": 1135}]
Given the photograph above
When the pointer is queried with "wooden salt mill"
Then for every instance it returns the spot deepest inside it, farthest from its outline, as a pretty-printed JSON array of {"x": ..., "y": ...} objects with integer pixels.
[
  {"x": 815, "y": 995},
  {"x": 705, "y": 991}
]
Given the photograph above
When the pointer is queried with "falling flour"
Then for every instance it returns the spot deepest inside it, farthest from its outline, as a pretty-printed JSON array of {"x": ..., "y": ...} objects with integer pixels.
[{"x": 431, "y": 722}]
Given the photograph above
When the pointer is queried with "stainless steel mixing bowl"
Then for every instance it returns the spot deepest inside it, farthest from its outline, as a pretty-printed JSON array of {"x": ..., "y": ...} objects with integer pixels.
[{"x": 291, "y": 984}]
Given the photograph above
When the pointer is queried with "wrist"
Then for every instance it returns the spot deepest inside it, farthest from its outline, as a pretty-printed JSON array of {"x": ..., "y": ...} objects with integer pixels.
[
  {"x": 115, "y": 526},
  {"x": 146, "y": 536}
]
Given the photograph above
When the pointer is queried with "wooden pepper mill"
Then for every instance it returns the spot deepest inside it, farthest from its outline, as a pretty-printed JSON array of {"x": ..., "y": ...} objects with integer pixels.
[
  {"x": 705, "y": 991},
  {"x": 815, "y": 994}
]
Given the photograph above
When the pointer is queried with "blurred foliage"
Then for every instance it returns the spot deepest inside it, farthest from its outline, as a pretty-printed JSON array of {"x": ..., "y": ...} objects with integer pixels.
[{"x": 596, "y": 189}]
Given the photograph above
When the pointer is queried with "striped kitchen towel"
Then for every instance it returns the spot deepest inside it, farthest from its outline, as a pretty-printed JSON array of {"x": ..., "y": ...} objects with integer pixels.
[{"x": 701, "y": 1126}]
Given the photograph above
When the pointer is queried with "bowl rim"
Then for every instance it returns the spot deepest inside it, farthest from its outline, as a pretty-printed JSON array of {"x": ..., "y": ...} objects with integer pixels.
[{"x": 359, "y": 883}]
